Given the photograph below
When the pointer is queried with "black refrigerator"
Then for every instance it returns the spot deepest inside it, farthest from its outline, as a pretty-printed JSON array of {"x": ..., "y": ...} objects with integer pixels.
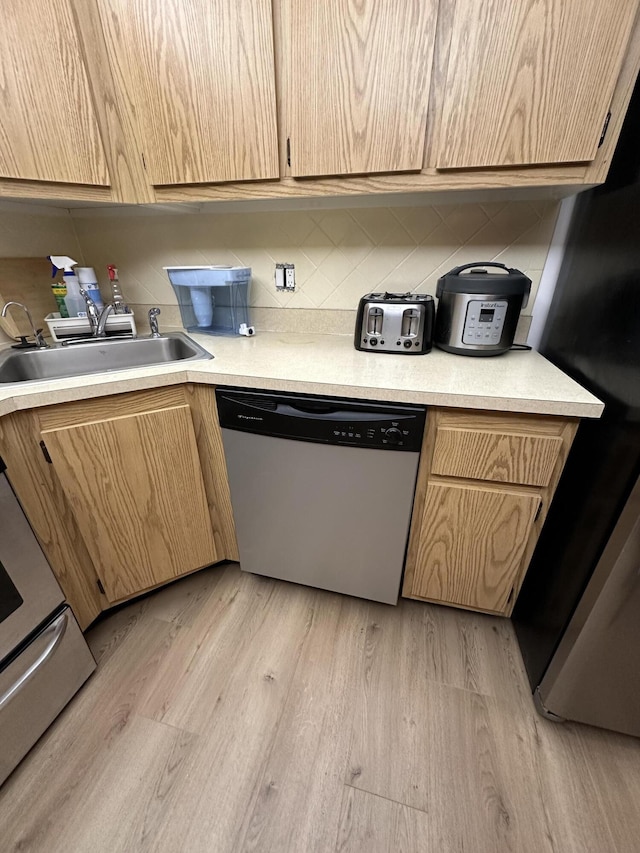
[{"x": 577, "y": 617}]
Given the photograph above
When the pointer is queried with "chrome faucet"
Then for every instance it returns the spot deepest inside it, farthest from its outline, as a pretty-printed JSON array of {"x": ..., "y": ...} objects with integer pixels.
[
  {"x": 37, "y": 333},
  {"x": 97, "y": 319},
  {"x": 153, "y": 322}
]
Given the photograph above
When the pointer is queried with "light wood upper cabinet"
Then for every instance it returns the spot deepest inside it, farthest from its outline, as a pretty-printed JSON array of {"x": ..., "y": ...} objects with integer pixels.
[
  {"x": 136, "y": 489},
  {"x": 530, "y": 82},
  {"x": 48, "y": 130},
  {"x": 199, "y": 77},
  {"x": 356, "y": 79}
]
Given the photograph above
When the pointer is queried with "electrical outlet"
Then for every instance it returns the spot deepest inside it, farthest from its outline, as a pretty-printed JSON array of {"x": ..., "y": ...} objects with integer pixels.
[{"x": 285, "y": 277}]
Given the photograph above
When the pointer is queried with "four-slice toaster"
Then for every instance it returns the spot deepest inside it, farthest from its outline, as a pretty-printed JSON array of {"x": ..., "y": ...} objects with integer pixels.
[{"x": 395, "y": 322}]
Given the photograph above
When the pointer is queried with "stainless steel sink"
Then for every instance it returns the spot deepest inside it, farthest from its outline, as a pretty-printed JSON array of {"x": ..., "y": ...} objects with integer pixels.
[{"x": 101, "y": 356}]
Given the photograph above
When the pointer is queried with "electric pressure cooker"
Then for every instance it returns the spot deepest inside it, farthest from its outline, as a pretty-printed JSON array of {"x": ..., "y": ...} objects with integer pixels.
[{"x": 478, "y": 310}]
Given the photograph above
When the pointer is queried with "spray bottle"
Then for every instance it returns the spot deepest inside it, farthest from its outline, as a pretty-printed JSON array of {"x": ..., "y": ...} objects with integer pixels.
[
  {"x": 89, "y": 282},
  {"x": 59, "y": 290},
  {"x": 75, "y": 304}
]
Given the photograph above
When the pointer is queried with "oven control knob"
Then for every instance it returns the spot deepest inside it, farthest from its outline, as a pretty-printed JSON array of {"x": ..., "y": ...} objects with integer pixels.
[{"x": 393, "y": 435}]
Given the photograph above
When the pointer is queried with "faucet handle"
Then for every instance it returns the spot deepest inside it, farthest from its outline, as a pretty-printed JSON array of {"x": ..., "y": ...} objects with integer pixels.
[{"x": 153, "y": 321}]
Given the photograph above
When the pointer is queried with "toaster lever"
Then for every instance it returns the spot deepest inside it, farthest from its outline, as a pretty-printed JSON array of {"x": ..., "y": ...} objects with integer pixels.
[
  {"x": 410, "y": 322},
  {"x": 374, "y": 321}
]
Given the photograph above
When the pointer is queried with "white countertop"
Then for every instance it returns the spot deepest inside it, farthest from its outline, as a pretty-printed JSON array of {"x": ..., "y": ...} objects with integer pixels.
[{"x": 329, "y": 364}]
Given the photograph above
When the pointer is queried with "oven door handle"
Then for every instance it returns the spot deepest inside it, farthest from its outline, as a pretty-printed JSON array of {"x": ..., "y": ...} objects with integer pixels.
[{"x": 57, "y": 630}]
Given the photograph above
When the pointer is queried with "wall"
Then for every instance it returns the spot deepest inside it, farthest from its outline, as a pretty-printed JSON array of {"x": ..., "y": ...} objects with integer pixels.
[
  {"x": 35, "y": 231},
  {"x": 339, "y": 253}
]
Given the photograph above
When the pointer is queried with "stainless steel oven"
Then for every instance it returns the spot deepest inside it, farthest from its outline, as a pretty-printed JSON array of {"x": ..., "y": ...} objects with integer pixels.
[{"x": 43, "y": 656}]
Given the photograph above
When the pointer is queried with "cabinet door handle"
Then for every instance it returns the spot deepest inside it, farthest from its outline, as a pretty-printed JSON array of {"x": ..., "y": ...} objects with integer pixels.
[
  {"x": 538, "y": 511},
  {"x": 45, "y": 453}
]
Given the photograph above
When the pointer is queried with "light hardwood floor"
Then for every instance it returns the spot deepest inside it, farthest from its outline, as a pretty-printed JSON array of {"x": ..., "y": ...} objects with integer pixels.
[{"x": 235, "y": 713}]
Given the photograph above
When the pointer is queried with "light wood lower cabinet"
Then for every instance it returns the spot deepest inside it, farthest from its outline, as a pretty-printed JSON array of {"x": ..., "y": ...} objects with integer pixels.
[
  {"x": 484, "y": 487},
  {"x": 135, "y": 486},
  {"x": 136, "y": 492},
  {"x": 473, "y": 544}
]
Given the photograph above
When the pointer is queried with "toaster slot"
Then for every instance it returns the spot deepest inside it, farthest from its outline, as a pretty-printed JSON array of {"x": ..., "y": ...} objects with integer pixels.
[
  {"x": 410, "y": 322},
  {"x": 374, "y": 321}
]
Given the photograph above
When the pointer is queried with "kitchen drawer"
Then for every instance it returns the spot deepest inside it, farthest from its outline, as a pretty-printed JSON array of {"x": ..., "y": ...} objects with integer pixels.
[{"x": 499, "y": 455}]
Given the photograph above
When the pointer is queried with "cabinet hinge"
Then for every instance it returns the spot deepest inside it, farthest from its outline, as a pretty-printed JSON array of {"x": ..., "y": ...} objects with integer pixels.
[
  {"x": 288, "y": 151},
  {"x": 45, "y": 453},
  {"x": 538, "y": 512},
  {"x": 100, "y": 587},
  {"x": 605, "y": 127}
]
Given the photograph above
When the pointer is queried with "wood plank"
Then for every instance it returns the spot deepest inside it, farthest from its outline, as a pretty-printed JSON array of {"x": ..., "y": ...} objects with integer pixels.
[
  {"x": 497, "y": 456},
  {"x": 49, "y": 128},
  {"x": 493, "y": 775},
  {"x": 181, "y": 601},
  {"x": 186, "y": 693},
  {"x": 370, "y": 823},
  {"x": 357, "y": 84},
  {"x": 452, "y": 750},
  {"x": 199, "y": 76},
  {"x": 472, "y": 543},
  {"x": 236, "y": 704},
  {"x": 576, "y": 816},
  {"x": 305, "y": 771},
  {"x": 136, "y": 489},
  {"x": 530, "y": 83},
  {"x": 98, "y": 749},
  {"x": 609, "y": 756}
]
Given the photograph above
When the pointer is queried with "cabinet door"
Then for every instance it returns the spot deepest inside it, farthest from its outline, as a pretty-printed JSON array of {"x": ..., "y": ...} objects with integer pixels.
[
  {"x": 199, "y": 75},
  {"x": 357, "y": 80},
  {"x": 136, "y": 490},
  {"x": 472, "y": 541},
  {"x": 48, "y": 130},
  {"x": 530, "y": 82}
]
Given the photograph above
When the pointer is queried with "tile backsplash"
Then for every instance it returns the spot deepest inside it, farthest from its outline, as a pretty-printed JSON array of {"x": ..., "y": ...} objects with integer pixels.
[
  {"x": 339, "y": 254},
  {"x": 29, "y": 232}
]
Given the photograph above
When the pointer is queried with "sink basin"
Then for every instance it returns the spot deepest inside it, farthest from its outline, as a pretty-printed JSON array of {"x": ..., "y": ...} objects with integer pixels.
[{"x": 97, "y": 357}]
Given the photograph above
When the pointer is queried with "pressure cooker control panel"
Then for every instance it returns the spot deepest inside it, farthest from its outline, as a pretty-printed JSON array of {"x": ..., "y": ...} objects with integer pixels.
[{"x": 483, "y": 323}]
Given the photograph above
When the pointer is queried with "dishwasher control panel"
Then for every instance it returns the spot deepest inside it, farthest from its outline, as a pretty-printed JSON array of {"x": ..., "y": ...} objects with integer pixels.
[{"x": 328, "y": 420}]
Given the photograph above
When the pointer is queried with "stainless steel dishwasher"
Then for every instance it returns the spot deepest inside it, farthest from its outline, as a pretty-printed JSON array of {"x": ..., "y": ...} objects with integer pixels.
[{"x": 322, "y": 488}]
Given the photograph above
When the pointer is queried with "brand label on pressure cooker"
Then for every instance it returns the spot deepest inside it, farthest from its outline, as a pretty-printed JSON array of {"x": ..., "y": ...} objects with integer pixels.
[{"x": 483, "y": 323}]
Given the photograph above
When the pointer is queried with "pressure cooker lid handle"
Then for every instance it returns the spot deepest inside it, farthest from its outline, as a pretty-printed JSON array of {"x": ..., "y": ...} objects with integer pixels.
[{"x": 458, "y": 270}]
